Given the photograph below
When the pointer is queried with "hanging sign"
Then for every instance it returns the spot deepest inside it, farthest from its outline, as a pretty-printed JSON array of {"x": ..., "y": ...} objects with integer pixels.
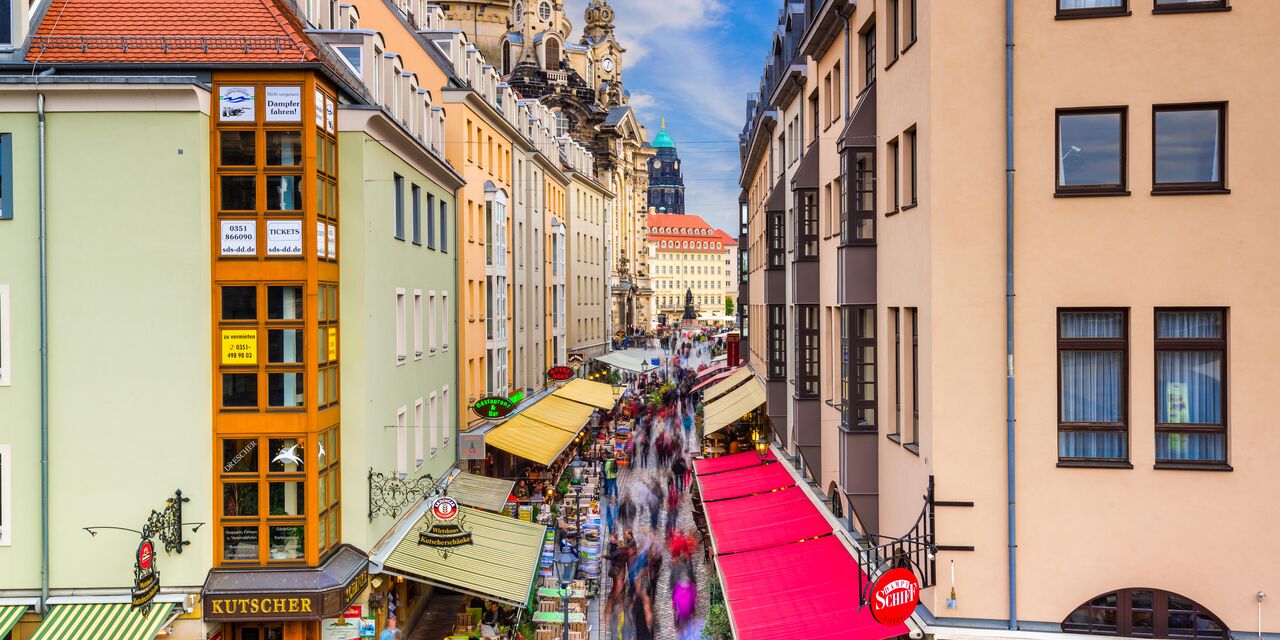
[
  {"x": 146, "y": 579},
  {"x": 239, "y": 346},
  {"x": 333, "y": 343},
  {"x": 560, "y": 373},
  {"x": 235, "y": 104},
  {"x": 444, "y": 530},
  {"x": 284, "y": 104},
  {"x": 493, "y": 407},
  {"x": 471, "y": 446},
  {"x": 239, "y": 237},
  {"x": 895, "y": 596},
  {"x": 284, "y": 237}
]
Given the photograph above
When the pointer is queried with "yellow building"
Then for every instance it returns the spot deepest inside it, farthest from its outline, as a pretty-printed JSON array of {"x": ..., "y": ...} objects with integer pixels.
[{"x": 687, "y": 255}]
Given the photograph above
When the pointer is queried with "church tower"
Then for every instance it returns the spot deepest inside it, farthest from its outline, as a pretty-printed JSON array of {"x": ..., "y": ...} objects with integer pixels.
[
  {"x": 666, "y": 178},
  {"x": 598, "y": 34}
]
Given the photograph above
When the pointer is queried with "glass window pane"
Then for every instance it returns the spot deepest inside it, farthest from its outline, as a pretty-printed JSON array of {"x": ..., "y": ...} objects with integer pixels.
[
  {"x": 321, "y": 396},
  {"x": 1189, "y": 324},
  {"x": 237, "y": 148},
  {"x": 322, "y": 346},
  {"x": 1193, "y": 447},
  {"x": 333, "y": 523},
  {"x": 320, "y": 204},
  {"x": 287, "y": 498},
  {"x": 333, "y": 302},
  {"x": 1089, "y": 149},
  {"x": 284, "y": 303},
  {"x": 1090, "y": 4},
  {"x": 1189, "y": 387},
  {"x": 1092, "y": 324},
  {"x": 240, "y": 455},
  {"x": 322, "y": 493},
  {"x": 286, "y": 455},
  {"x": 331, "y": 374},
  {"x": 284, "y": 346},
  {"x": 284, "y": 193},
  {"x": 239, "y": 499},
  {"x": 1091, "y": 383},
  {"x": 239, "y": 303},
  {"x": 286, "y": 542},
  {"x": 238, "y": 193},
  {"x": 1093, "y": 444},
  {"x": 1187, "y": 146},
  {"x": 239, "y": 389},
  {"x": 239, "y": 543},
  {"x": 284, "y": 148}
]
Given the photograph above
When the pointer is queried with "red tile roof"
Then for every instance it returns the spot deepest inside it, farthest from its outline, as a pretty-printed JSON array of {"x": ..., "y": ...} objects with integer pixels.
[
  {"x": 698, "y": 229},
  {"x": 174, "y": 31}
]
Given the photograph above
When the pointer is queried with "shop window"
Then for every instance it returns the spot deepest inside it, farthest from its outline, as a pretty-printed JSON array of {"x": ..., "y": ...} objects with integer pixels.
[
  {"x": 263, "y": 494},
  {"x": 1145, "y": 613}
]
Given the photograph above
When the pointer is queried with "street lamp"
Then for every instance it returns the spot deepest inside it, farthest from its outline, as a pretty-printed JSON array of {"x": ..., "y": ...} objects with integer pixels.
[
  {"x": 566, "y": 564},
  {"x": 762, "y": 445}
]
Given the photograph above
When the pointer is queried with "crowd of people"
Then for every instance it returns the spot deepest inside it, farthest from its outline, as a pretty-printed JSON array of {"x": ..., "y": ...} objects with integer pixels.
[{"x": 644, "y": 502}]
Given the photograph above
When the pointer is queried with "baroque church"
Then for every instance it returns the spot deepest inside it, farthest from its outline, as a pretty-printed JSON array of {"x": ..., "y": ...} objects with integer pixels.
[{"x": 666, "y": 178}]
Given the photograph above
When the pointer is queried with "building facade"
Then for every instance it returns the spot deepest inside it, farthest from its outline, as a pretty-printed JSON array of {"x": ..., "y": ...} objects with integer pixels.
[
  {"x": 880, "y": 282},
  {"x": 666, "y": 178},
  {"x": 688, "y": 255}
]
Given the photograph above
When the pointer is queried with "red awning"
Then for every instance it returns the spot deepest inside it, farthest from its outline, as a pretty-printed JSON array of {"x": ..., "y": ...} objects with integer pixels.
[
  {"x": 746, "y": 482},
  {"x": 803, "y": 590},
  {"x": 729, "y": 462},
  {"x": 764, "y": 520},
  {"x": 706, "y": 382},
  {"x": 710, "y": 371}
]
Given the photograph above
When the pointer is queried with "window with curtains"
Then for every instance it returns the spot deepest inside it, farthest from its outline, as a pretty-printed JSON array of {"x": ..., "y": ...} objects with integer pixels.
[
  {"x": 808, "y": 358},
  {"x": 806, "y": 225},
  {"x": 1093, "y": 386},
  {"x": 1185, "y": 6},
  {"x": 777, "y": 341},
  {"x": 1191, "y": 371},
  {"x": 1092, "y": 8}
]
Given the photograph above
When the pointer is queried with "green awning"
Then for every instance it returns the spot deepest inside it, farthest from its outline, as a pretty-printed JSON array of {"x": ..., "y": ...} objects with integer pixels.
[
  {"x": 9, "y": 616},
  {"x": 501, "y": 564},
  {"x": 102, "y": 622}
]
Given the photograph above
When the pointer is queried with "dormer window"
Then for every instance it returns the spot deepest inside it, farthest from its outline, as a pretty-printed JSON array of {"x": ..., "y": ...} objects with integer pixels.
[{"x": 353, "y": 57}]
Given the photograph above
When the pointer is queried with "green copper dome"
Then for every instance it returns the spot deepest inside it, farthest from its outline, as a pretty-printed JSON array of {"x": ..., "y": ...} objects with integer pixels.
[{"x": 663, "y": 139}]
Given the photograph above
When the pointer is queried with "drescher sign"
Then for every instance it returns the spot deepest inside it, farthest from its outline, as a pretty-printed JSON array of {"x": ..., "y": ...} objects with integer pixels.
[{"x": 894, "y": 597}]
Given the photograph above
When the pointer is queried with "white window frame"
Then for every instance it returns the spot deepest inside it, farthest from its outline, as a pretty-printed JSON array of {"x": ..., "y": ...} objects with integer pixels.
[
  {"x": 435, "y": 424},
  {"x": 417, "y": 434},
  {"x": 417, "y": 324},
  {"x": 6, "y": 498},
  {"x": 401, "y": 356},
  {"x": 6, "y": 355},
  {"x": 402, "y": 442},
  {"x": 445, "y": 427},
  {"x": 444, "y": 324},
  {"x": 431, "y": 323}
]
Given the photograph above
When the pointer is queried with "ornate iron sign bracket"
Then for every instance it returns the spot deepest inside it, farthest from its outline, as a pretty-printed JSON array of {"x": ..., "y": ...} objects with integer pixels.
[
  {"x": 165, "y": 525},
  {"x": 389, "y": 495},
  {"x": 917, "y": 551}
]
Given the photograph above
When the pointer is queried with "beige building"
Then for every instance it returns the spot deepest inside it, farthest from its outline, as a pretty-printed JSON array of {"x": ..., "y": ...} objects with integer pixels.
[
  {"x": 587, "y": 283},
  {"x": 1072, "y": 435},
  {"x": 688, "y": 255}
]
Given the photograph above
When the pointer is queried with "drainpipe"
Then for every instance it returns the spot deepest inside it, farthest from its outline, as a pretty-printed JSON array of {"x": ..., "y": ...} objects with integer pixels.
[
  {"x": 458, "y": 413},
  {"x": 44, "y": 369},
  {"x": 1011, "y": 465}
]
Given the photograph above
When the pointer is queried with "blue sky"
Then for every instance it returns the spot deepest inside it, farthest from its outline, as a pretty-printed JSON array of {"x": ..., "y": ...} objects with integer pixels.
[{"x": 694, "y": 62}]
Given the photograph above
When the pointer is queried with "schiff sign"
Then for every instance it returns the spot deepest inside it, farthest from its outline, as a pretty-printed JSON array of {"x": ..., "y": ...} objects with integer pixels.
[
  {"x": 894, "y": 597},
  {"x": 493, "y": 407}
]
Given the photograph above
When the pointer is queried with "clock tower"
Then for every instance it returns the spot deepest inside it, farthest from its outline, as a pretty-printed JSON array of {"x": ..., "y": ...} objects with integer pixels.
[{"x": 598, "y": 34}]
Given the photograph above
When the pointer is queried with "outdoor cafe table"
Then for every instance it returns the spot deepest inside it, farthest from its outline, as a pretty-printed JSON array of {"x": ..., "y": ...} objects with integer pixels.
[
  {"x": 557, "y": 617},
  {"x": 544, "y": 592}
]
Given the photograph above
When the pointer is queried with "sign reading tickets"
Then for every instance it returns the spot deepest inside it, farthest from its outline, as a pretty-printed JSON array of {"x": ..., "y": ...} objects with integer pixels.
[
  {"x": 445, "y": 528},
  {"x": 284, "y": 104},
  {"x": 235, "y": 104},
  {"x": 239, "y": 237},
  {"x": 284, "y": 237},
  {"x": 895, "y": 596},
  {"x": 239, "y": 346}
]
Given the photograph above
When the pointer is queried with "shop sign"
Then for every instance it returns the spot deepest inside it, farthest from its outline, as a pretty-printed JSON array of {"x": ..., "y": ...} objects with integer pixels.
[
  {"x": 445, "y": 526},
  {"x": 284, "y": 237},
  {"x": 235, "y": 104},
  {"x": 319, "y": 109},
  {"x": 146, "y": 579},
  {"x": 576, "y": 359},
  {"x": 492, "y": 407},
  {"x": 560, "y": 373},
  {"x": 355, "y": 587},
  {"x": 328, "y": 115},
  {"x": 263, "y": 607},
  {"x": 367, "y": 628},
  {"x": 239, "y": 346},
  {"x": 284, "y": 104},
  {"x": 895, "y": 596},
  {"x": 471, "y": 446},
  {"x": 342, "y": 628},
  {"x": 733, "y": 354},
  {"x": 239, "y": 237}
]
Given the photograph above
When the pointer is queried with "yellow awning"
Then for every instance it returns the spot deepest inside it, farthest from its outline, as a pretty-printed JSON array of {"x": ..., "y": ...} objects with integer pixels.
[
  {"x": 102, "y": 622},
  {"x": 532, "y": 440},
  {"x": 596, "y": 394},
  {"x": 500, "y": 564},
  {"x": 560, "y": 413},
  {"x": 9, "y": 616},
  {"x": 731, "y": 406},
  {"x": 720, "y": 388}
]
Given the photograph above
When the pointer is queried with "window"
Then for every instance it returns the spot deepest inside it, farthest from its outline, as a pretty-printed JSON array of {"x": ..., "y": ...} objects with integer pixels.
[
  {"x": 263, "y": 487},
  {"x": 402, "y": 443},
  {"x": 418, "y": 438},
  {"x": 1187, "y": 6},
  {"x": 776, "y": 240},
  {"x": 6, "y": 498},
  {"x": 399, "y": 198},
  {"x": 1145, "y": 613},
  {"x": 836, "y": 99},
  {"x": 869, "y": 56},
  {"x": 6, "y": 359},
  {"x": 416, "y": 202},
  {"x": 893, "y": 31},
  {"x": 1092, "y": 150},
  {"x": 352, "y": 57},
  {"x": 1092, "y": 8},
  {"x": 860, "y": 228},
  {"x": 444, "y": 226},
  {"x": 914, "y": 315},
  {"x": 6, "y": 23},
  {"x": 909, "y": 23},
  {"x": 444, "y": 320},
  {"x": 418, "y": 320},
  {"x": 327, "y": 345},
  {"x": 894, "y": 178},
  {"x": 446, "y": 410},
  {"x": 1191, "y": 400},
  {"x": 896, "y": 356},
  {"x": 815, "y": 118},
  {"x": 1093, "y": 386},
  {"x": 431, "y": 322},
  {"x": 1189, "y": 151},
  {"x": 434, "y": 427},
  {"x": 777, "y": 342},
  {"x": 400, "y": 327},
  {"x": 544, "y": 11},
  {"x": 858, "y": 367},
  {"x": 909, "y": 165},
  {"x": 6, "y": 156},
  {"x": 241, "y": 330},
  {"x": 808, "y": 350},
  {"x": 807, "y": 225},
  {"x": 431, "y": 219}
]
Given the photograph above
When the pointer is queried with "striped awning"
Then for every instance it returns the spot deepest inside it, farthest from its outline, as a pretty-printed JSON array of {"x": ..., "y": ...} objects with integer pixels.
[
  {"x": 733, "y": 405},
  {"x": 472, "y": 490},
  {"x": 724, "y": 386},
  {"x": 102, "y": 622},
  {"x": 9, "y": 617}
]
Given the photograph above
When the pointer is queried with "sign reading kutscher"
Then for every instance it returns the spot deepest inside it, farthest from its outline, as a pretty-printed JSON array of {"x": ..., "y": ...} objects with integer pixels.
[{"x": 894, "y": 597}]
